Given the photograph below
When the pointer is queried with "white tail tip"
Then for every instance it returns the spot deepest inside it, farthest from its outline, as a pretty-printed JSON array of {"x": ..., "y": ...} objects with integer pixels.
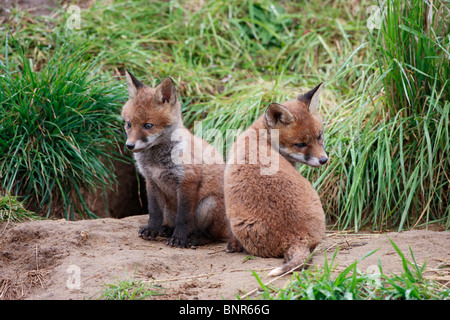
[{"x": 276, "y": 272}]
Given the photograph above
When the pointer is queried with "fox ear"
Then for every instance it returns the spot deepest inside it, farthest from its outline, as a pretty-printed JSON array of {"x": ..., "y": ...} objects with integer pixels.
[
  {"x": 166, "y": 92},
  {"x": 312, "y": 98},
  {"x": 133, "y": 84},
  {"x": 277, "y": 114}
]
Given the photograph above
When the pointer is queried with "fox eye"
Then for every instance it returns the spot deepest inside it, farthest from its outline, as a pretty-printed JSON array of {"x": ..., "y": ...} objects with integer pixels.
[
  {"x": 300, "y": 145},
  {"x": 148, "y": 126},
  {"x": 320, "y": 136},
  {"x": 128, "y": 124}
]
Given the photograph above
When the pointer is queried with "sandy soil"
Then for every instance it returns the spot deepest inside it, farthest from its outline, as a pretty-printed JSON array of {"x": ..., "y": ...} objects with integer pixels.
[{"x": 37, "y": 259}]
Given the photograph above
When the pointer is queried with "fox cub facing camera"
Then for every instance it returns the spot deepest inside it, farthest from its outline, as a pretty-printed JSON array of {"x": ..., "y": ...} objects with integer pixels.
[
  {"x": 277, "y": 214},
  {"x": 185, "y": 198}
]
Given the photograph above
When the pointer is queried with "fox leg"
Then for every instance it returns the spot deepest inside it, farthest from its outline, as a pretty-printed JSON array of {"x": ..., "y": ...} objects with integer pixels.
[
  {"x": 234, "y": 245},
  {"x": 185, "y": 215},
  {"x": 199, "y": 239},
  {"x": 154, "y": 227},
  {"x": 166, "y": 231},
  {"x": 168, "y": 222}
]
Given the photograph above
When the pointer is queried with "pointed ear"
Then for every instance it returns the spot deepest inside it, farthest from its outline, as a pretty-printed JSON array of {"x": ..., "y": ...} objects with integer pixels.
[
  {"x": 277, "y": 114},
  {"x": 312, "y": 98},
  {"x": 166, "y": 92},
  {"x": 133, "y": 84}
]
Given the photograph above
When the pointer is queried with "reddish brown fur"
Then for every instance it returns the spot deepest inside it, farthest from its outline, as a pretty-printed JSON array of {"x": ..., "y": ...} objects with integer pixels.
[
  {"x": 144, "y": 109},
  {"x": 306, "y": 127},
  {"x": 195, "y": 190},
  {"x": 281, "y": 214}
]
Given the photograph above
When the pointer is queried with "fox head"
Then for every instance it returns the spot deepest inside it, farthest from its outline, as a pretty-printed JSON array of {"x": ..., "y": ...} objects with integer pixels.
[
  {"x": 300, "y": 128},
  {"x": 150, "y": 114}
]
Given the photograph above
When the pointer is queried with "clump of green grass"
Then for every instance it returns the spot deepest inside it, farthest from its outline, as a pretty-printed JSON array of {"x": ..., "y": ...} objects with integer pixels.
[
  {"x": 130, "y": 290},
  {"x": 386, "y": 172},
  {"x": 59, "y": 127},
  {"x": 12, "y": 209},
  {"x": 352, "y": 284},
  {"x": 413, "y": 53},
  {"x": 388, "y": 142}
]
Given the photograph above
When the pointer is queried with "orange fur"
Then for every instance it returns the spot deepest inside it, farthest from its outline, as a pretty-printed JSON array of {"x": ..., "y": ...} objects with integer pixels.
[{"x": 280, "y": 214}]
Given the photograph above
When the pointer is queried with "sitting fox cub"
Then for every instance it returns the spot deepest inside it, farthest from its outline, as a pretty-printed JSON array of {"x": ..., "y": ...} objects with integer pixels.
[
  {"x": 185, "y": 200},
  {"x": 279, "y": 214}
]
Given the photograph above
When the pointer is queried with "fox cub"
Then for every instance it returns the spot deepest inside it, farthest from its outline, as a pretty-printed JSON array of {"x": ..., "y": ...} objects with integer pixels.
[
  {"x": 185, "y": 198},
  {"x": 279, "y": 214}
]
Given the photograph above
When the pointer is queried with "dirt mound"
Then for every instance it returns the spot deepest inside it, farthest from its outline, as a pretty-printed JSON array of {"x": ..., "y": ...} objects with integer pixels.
[{"x": 38, "y": 259}]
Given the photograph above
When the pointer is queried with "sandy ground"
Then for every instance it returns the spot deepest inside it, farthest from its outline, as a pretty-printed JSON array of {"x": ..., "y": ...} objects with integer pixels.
[{"x": 59, "y": 259}]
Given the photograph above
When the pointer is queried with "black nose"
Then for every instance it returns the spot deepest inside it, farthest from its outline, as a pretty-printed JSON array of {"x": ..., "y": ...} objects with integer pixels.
[
  {"x": 130, "y": 146},
  {"x": 323, "y": 160}
]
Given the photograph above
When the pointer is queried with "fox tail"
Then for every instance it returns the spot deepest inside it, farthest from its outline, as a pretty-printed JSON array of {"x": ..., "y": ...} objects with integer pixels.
[{"x": 295, "y": 258}]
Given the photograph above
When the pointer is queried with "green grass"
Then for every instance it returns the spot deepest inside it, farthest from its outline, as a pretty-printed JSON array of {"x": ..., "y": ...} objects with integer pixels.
[
  {"x": 325, "y": 283},
  {"x": 58, "y": 129},
  {"x": 130, "y": 289},
  {"x": 412, "y": 49},
  {"x": 388, "y": 156},
  {"x": 12, "y": 209},
  {"x": 385, "y": 104},
  {"x": 413, "y": 54}
]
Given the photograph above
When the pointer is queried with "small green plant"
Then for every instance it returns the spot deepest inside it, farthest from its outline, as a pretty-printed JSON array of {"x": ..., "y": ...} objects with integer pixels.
[
  {"x": 12, "y": 209},
  {"x": 130, "y": 290},
  {"x": 411, "y": 284},
  {"x": 351, "y": 284},
  {"x": 248, "y": 257}
]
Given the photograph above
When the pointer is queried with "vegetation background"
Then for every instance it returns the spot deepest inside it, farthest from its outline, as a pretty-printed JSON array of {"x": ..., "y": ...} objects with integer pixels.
[{"x": 386, "y": 105}]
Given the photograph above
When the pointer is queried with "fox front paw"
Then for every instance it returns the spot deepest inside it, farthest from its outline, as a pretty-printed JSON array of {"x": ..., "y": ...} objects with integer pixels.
[
  {"x": 234, "y": 246},
  {"x": 166, "y": 231},
  {"x": 148, "y": 233},
  {"x": 177, "y": 241}
]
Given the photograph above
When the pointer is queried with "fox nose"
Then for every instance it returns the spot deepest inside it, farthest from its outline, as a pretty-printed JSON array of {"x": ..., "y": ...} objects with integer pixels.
[
  {"x": 323, "y": 160},
  {"x": 130, "y": 146}
]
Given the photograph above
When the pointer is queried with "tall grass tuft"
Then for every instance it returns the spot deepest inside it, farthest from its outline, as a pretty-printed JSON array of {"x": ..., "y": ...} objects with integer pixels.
[
  {"x": 413, "y": 57},
  {"x": 389, "y": 143},
  {"x": 58, "y": 130}
]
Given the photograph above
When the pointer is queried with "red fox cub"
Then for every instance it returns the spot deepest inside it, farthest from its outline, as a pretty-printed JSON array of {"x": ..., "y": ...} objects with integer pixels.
[
  {"x": 278, "y": 213},
  {"x": 185, "y": 198}
]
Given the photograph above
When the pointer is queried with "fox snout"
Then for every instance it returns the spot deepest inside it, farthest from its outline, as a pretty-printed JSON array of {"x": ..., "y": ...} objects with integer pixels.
[
  {"x": 138, "y": 145},
  {"x": 312, "y": 160},
  {"x": 323, "y": 160}
]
